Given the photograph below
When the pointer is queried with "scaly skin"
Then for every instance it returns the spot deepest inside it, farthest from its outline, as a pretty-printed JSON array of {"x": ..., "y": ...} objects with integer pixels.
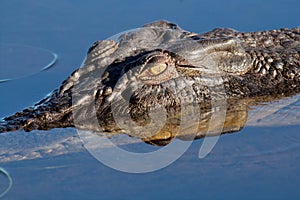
[{"x": 194, "y": 69}]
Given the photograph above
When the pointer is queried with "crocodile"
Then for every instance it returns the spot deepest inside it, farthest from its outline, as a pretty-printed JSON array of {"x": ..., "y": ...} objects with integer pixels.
[{"x": 145, "y": 82}]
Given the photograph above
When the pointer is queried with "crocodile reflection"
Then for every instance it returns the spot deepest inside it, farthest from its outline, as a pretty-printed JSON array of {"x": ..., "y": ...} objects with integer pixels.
[
  {"x": 235, "y": 118},
  {"x": 160, "y": 82}
]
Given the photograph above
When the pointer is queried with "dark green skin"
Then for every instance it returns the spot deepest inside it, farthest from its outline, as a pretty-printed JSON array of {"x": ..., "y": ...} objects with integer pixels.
[{"x": 254, "y": 65}]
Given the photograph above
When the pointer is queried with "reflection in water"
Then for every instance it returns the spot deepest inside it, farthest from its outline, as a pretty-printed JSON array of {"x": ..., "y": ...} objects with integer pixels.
[
  {"x": 262, "y": 111},
  {"x": 22, "y": 145},
  {"x": 19, "y": 61}
]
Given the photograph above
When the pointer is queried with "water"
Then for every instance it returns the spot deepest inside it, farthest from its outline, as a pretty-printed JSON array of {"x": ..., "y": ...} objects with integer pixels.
[
  {"x": 14, "y": 55},
  {"x": 257, "y": 162}
]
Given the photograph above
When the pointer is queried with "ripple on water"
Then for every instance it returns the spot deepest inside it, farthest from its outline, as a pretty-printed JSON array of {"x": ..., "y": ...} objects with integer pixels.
[
  {"x": 18, "y": 61},
  {"x": 5, "y": 177}
]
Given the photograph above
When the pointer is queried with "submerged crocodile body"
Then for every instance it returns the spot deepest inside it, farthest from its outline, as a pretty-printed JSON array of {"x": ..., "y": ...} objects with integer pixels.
[{"x": 142, "y": 79}]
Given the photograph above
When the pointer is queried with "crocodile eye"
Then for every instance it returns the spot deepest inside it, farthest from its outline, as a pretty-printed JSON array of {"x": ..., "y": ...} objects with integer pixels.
[{"x": 157, "y": 69}]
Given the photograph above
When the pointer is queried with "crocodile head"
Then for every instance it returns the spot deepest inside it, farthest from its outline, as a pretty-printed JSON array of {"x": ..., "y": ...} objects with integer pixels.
[{"x": 149, "y": 87}]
